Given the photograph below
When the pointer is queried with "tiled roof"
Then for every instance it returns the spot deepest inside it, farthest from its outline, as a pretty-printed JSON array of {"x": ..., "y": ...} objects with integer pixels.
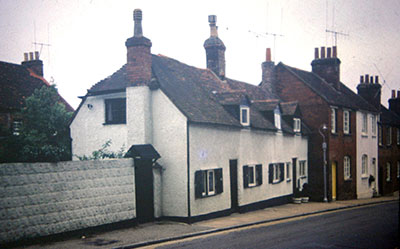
[
  {"x": 199, "y": 94},
  {"x": 343, "y": 97},
  {"x": 16, "y": 84}
]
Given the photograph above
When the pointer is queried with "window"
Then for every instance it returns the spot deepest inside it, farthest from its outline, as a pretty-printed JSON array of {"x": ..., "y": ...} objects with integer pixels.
[
  {"x": 398, "y": 136},
  {"x": 276, "y": 172},
  {"x": 373, "y": 125},
  {"x": 302, "y": 169},
  {"x": 208, "y": 182},
  {"x": 115, "y": 111},
  {"x": 346, "y": 122},
  {"x": 288, "y": 171},
  {"x": 364, "y": 129},
  {"x": 380, "y": 135},
  {"x": 245, "y": 115},
  {"x": 398, "y": 169},
  {"x": 389, "y": 135},
  {"x": 388, "y": 172},
  {"x": 333, "y": 119},
  {"x": 347, "y": 167},
  {"x": 296, "y": 125},
  {"x": 16, "y": 127},
  {"x": 277, "y": 118},
  {"x": 364, "y": 165},
  {"x": 252, "y": 175}
]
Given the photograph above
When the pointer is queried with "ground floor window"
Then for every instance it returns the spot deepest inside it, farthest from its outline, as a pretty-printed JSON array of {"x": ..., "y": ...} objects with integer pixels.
[
  {"x": 208, "y": 182},
  {"x": 364, "y": 165},
  {"x": 388, "y": 166},
  {"x": 276, "y": 172},
  {"x": 288, "y": 171},
  {"x": 347, "y": 167},
  {"x": 303, "y": 169},
  {"x": 398, "y": 169},
  {"x": 252, "y": 175}
]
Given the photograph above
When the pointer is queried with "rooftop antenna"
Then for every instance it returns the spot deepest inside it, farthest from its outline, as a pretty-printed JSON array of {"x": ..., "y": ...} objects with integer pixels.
[
  {"x": 336, "y": 33},
  {"x": 332, "y": 30},
  {"x": 40, "y": 43}
]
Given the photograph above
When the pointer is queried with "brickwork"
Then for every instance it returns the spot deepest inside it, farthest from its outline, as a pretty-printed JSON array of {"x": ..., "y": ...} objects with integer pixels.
[
  {"x": 388, "y": 154},
  {"x": 48, "y": 198},
  {"x": 316, "y": 112}
]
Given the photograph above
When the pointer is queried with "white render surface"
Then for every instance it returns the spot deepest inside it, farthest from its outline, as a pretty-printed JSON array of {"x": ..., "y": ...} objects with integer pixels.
[
  {"x": 368, "y": 145},
  {"x": 39, "y": 199},
  {"x": 88, "y": 131},
  {"x": 212, "y": 147}
]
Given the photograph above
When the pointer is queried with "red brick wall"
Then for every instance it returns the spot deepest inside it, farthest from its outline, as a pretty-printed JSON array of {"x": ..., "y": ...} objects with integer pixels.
[
  {"x": 316, "y": 112},
  {"x": 139, "y": 65},
  {"x": 391, "y": 154}
]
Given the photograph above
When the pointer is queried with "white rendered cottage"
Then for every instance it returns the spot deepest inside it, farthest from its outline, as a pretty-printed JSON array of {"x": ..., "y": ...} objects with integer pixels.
[{"x": 225, "y": 145}]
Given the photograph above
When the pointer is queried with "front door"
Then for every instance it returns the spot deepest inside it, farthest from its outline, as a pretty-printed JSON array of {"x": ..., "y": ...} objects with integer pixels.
[
  {"x": 334, "y": 180},
  {"x": 234, "y": 185},
  {"x": 294, "y": 170},
  {"x": 144, "y": 190}
]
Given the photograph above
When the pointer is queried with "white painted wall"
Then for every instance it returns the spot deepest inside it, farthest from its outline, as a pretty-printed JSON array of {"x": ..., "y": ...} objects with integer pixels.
[
  {"x": 213, "y": 147},
  {"x": 169, "y": 139},
  {"x": 88, "y": 131},
  {"x": 366, "y": 144}
]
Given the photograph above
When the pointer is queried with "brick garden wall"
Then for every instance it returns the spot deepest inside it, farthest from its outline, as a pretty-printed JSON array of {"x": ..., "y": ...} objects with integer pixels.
[{"x": 40, "y": 199}]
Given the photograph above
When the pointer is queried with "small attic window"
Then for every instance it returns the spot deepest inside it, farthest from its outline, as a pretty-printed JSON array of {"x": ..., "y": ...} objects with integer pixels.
[
  {"x": 244, "y": 115},
  {"x": 277, "y": 118},
  {"x": 296, "y": 125}
]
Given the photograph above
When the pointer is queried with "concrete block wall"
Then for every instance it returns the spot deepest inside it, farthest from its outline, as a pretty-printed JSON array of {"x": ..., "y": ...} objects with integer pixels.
[{"x": 39, "y": 199}]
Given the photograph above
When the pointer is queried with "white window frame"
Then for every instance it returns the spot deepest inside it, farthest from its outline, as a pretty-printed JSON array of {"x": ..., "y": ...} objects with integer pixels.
[
  {"x": 252, "y": 175},
  {"x": 346, "y": 121},
  {"x": 347, "y": 167},
  {"x": 288, "y": 171},
  {"x": 277, "y": 173},
  {"x": 246, "y": 120},
  {"x": 364, "y": 165},
  {"x": 373, "y": 125},
  {"x": 302, "y": 169},
  {"x": 380, "y": 135},
  {"x": 296, "y": 125},
  {"x": 333, "y": 120},
  {"x": 389, "y": 135},
  {"x": 364, "y": 128},
  {"x": 388, "y": 172},
  {"x": 277, "y": 118},
  {"x": 207, "y": 188}
]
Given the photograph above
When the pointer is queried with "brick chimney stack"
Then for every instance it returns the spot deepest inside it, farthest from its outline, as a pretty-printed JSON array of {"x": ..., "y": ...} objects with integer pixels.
[
  {"x": 268, "y": 73},
  {"x": 394, "y": 102},
  {"x": 139, "y": 54},
  {"x": 32, "y": 61},
  {"x": 370, "y": 90},
  {"x": 327, "y": 67},
  {"x": 215, "y": 49}
]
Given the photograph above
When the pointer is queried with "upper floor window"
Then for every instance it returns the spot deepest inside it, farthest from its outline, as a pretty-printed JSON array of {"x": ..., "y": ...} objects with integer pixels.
[
  {"x": 388, "y": 171},
  {"x": 277, "y": 118},
  {"x": 115, "y": 111},
  {"x": 380, "y": 135},
  {"x": 347, "y": 167},
  {"x": 252, "y": 175},
  {"x": 389, "y": 135},
  {"x": 296, "y": 125},
  {"x": 346, "y": 122},
  {"x": 244, "y": 115},
  {"x": 373, "y": 125},
  {"x": 333, "y": 120},
  {"x": 364, "y": 165},
  {"x": 364, "y": 129}
]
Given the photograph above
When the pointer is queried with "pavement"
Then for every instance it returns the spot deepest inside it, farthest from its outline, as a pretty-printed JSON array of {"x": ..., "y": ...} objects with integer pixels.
[{"x": 163, "y": 231}]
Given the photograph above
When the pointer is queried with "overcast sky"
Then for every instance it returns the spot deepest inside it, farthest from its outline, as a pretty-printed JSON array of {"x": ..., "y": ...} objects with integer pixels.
[{"x": 87, "y": 37}]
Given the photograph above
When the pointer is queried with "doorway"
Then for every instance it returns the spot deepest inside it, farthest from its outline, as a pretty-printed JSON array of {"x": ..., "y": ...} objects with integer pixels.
[
  {"x": 144, "y": 190},
  {"x": 334, "y": 164},
  {"x": 294, "y": 170},
  {"x": 234, "y": 185}
]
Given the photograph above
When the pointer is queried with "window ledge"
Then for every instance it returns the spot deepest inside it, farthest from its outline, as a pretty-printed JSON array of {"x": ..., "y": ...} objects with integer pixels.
[
  {"x": 288, "y": 180},
  {"x": 364, "y": 177},
  {"x": 302, "y": 177},
  {"x": 348, "y": 179},
  {"x": 276, "y": 181},
  {"x": 364, "y": 135},
  {"x": 114, "y": 123},
  {"x": 347, "y": 134},
  {"x": 206, "y": 196}
]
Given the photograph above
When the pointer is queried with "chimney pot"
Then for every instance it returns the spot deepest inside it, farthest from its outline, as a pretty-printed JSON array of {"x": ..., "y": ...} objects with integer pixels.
[
  {"x": 367, "y": 78},
  {"x": 26, "y": 56},
  {"x": 328, "y": 52},
  {"x": 361, "y": 79},
  {"x": 268, "y": 58},
  {"x": 137, "y": 17},
  {"x": 322, "y": 52},
  {"x": 31, "y": 56},
  {"x": 398, "y": 94},
  {"x": 334, "y": 52},
  {"x": 376, "y": 79},
  {"x": 372, "y": 80},
  {"x": 212, "y": 19},
  {"x": 36, "y": 55},
  {"x": 393, "y": 94},
  {"x": 316, "y": 53}
]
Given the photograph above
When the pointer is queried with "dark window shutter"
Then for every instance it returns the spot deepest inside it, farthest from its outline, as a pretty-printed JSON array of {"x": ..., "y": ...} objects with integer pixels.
[
  {"x": 246, "y": 176},
  {"x": 219, "y": 182},
  {"x": 259, "y": 174},
  {"x": 198, "y": 183},
  {"x": 282, "y": 169},
  {"x": 270, "y": 173}
]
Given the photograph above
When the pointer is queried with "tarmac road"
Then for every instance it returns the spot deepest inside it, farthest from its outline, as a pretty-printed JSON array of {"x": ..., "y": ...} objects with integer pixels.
[{"x": 374, "y": 226}]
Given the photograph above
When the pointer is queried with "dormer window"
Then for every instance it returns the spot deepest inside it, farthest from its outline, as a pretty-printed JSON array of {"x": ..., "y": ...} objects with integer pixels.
[
  {"x": 296, "y": 125},
  {"x": 277, "y": 118},
  {"x": 244, "y": 115}
]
